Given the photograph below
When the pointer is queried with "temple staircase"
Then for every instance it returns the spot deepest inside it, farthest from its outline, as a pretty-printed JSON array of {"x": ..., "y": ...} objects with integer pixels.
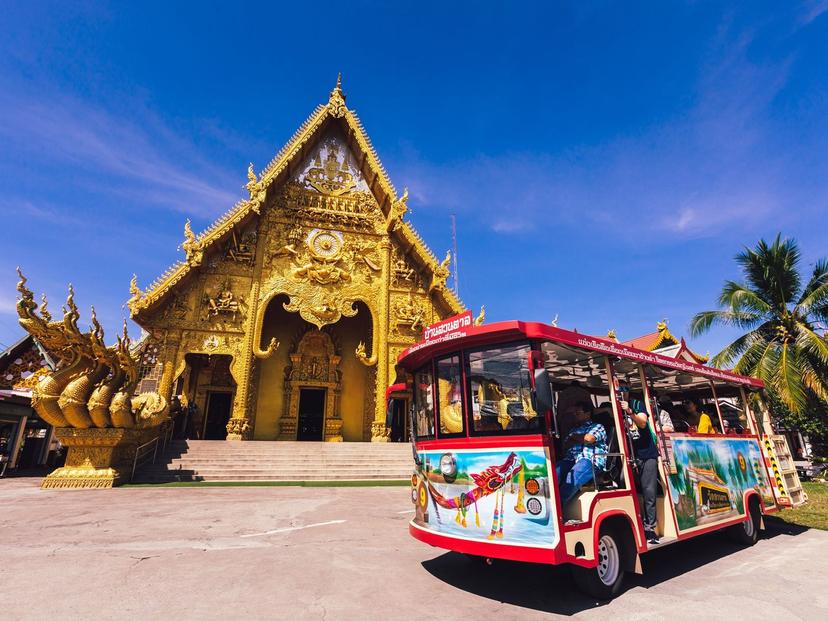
[{"x": 218, "y": 460}]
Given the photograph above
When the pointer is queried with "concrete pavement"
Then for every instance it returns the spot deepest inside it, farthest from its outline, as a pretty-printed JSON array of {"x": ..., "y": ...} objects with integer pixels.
[{"x": 345, "y": 553}]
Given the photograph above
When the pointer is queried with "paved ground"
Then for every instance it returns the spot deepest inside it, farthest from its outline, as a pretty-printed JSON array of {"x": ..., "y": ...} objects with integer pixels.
[{"x": 228, "y": 553}]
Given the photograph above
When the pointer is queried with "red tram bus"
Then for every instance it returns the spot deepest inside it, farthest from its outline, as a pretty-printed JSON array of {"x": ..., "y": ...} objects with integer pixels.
[{"x": 488, "y": 423}]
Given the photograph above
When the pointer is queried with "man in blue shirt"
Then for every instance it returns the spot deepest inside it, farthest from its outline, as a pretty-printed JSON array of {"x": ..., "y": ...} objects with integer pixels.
[
  {"x": 646, "y": 455},
  {"x": 586, "y": 440}
]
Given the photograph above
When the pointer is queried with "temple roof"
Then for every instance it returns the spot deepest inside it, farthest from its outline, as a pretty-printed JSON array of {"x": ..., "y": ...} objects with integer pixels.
[
  {"x": 664, "y": 343},
  {"x": 23, "y": 364},
  {"x": 280, "y": 167}
]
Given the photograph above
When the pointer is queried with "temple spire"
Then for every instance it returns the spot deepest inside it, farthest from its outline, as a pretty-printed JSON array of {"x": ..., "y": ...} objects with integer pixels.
[{"x": 336, "y": 102}]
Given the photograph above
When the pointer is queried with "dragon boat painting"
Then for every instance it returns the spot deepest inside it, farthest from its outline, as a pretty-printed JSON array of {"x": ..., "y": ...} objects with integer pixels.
[{"x": 500, "y": 496}]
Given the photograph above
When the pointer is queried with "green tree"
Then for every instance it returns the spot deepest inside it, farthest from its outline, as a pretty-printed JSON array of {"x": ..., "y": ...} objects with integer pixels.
[{"x": 780, "y": 318}]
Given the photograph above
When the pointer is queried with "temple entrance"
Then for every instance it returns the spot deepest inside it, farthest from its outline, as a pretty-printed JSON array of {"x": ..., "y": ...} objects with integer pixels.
[
  {"x": 207, "y": 388},
  {"x": 218, "y": 413},
  {"x": 311, "y": 414}
]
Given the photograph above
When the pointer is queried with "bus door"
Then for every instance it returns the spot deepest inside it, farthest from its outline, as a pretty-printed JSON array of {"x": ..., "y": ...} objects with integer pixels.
[{"x": 398, "y": 399}]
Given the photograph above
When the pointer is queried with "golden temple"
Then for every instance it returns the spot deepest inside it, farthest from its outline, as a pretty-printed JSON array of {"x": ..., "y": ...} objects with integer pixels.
[{"x": 285, "y": 317}]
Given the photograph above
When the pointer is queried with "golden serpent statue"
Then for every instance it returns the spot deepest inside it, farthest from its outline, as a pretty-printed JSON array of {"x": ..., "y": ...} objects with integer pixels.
[
  {"x": 93, "y": 384},
  {"x": 90, "y": 396}
]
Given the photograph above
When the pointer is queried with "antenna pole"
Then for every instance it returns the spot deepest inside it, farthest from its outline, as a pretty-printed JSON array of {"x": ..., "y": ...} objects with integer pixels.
[{"x": 454, "y": 253}]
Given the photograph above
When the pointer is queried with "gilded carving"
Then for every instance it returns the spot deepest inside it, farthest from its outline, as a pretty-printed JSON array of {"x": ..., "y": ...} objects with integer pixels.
[
  {"x": 242, "y": 247},
  {"x": 223, "y": 303},
  {"x": 410, "y": 314},
  {"x": 440, "y": 275},
  {"x": 193, "y": 248},
  {"x": 481, "y": 317}
]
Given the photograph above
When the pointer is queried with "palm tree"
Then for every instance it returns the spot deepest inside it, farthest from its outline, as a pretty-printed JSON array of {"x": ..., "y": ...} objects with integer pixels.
[{"x": 780, "y": 318}]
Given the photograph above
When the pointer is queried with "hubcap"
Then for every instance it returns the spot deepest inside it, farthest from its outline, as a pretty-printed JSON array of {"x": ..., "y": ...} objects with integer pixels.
[
  {"x": 749, "y": 525},
  {"x": 609, "y": 563}
]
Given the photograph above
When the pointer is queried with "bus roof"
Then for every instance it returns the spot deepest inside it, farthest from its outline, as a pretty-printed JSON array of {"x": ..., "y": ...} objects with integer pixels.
[{"x": 477, "y": 336}]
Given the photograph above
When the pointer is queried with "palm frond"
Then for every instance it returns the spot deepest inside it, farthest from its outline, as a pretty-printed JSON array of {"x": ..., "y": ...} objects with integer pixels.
[
  {"x": 759, "y": 360},
  {"x": 737, "y": 297},
  {"x": 740, "y": 348},
  {"x": 788, "y": 379},
  {"x": 812, "y": 344},
  {"x": 815, "y": 294},
  {"x": 703, "y": 321},
  {"x": 814, "y": 381},
  {"x": 771, "y": 270}
]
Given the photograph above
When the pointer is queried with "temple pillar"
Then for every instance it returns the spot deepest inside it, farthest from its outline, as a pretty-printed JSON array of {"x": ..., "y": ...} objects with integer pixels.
[
  {"x": 240, "y": 427},
  {"x": 379, "y": 432},
  {"x": 165, "y": 384}
]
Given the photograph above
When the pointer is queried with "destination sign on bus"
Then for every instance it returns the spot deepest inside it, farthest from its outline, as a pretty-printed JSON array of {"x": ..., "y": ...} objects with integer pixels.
[{"x": 451, "y": 328}]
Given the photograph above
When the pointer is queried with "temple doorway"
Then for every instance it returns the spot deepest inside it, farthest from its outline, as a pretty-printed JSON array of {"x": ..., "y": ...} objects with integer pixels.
[
  {"x": 311, "y": 414},
  {"x": 207, "y": 389},
  {"x": 218, "y": 413}
]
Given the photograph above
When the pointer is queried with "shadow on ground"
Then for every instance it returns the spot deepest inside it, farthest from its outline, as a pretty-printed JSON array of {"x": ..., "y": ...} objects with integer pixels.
[{"x": 551, "y": 588}]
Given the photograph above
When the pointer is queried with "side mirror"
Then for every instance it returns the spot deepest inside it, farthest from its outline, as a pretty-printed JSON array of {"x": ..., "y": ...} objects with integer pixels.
[{"x": 542, "y": 391}]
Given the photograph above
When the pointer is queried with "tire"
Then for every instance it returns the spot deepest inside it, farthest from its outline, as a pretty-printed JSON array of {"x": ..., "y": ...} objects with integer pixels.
[
  {"x": 747, "y": 533},
  {"x": 604, "y": 580}
]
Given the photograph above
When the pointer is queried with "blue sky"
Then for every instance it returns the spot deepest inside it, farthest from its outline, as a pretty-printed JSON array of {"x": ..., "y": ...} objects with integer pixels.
[{"x": 605, "y": 161}]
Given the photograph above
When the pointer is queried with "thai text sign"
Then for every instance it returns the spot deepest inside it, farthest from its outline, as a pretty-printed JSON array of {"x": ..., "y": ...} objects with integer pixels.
[{"x": 451, "y": 328}]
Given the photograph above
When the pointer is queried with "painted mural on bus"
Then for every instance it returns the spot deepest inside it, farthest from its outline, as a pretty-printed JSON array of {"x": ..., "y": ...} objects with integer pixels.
[
  {"x": 711, "y": 476},
  {"x": 498, "y": 496}
]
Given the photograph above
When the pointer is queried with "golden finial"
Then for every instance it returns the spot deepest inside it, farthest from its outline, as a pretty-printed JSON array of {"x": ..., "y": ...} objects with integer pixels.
[
  {"x": 336, "y": 102},
  {"x": 611, "y": 335},
  {"x": 447, "y": 261},
  {"x": 47, "y": 316},
  {"x": 134, "y": 290},
  {"x": 188, "y": 231},
  {"x": 252, "y": 182},
  {"x": 478, "y": 321},
  {"x": 661, "y": 326}
]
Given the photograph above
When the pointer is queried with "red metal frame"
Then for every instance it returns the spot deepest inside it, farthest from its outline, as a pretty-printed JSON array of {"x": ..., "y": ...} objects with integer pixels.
[{"x": 416, "y": 355}]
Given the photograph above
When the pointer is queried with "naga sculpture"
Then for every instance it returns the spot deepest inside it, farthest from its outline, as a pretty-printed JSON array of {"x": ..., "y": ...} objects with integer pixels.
[{"x": 90, "y": 394}]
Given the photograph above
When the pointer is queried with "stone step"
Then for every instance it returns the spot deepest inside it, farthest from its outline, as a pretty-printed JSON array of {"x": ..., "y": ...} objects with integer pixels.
[{"x": 217, "y": 460}]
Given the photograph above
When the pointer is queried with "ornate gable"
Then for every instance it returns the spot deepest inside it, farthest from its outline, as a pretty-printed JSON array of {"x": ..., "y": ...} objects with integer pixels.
[{"x": 327, "y": 174}]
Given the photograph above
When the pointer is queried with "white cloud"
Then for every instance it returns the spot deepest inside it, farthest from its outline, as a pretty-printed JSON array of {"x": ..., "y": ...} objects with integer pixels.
[
  {"x": 137, "y": 156},
  {"x": 698, "y": 174}
]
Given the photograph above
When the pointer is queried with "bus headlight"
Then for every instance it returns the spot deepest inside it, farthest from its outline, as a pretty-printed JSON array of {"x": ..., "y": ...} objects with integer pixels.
[{"x": 448, "y": 467}]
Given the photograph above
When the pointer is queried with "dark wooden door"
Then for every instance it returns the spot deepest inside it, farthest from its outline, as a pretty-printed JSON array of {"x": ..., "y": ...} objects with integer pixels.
[
  {"x": 218, "y": 413},
  {"x": 311, "y": 414}
]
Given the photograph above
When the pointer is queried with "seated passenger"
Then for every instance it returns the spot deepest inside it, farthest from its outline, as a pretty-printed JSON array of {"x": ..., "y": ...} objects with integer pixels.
[
  {"x": 665, "y": 421},
  {"x": 585, "y": 440},
  {"x": 569, "y": 396},
  {"x": 701, "y": 420}
]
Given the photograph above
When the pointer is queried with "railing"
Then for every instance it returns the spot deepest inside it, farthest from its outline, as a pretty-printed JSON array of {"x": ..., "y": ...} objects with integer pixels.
[
  {"x": 143, "y": 452},
  {"x": 142, "y": 455}
]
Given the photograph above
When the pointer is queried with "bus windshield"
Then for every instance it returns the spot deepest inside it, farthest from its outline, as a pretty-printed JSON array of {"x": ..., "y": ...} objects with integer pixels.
[{"x": 500, "y": 391}]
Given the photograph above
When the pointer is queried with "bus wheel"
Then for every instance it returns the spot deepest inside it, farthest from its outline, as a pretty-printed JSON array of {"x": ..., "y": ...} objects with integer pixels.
[
  {"x": 747, "y": 533},
  {"x": 604, "y": 580}
]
